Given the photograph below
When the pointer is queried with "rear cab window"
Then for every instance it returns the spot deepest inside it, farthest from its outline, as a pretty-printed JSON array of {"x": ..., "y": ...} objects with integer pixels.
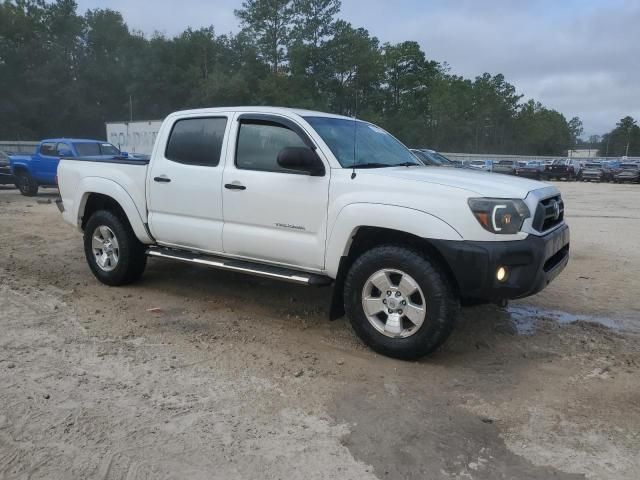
[
  {"x": 94, "y": 149},
  {"x": 196, "y": 141}
]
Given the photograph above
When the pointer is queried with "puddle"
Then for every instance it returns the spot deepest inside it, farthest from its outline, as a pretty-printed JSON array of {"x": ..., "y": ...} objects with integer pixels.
[{"x": 525, "y": 319}]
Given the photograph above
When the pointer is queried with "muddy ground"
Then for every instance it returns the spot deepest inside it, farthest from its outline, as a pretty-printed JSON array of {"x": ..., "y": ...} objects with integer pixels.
[{"x": 233, "y": 377}]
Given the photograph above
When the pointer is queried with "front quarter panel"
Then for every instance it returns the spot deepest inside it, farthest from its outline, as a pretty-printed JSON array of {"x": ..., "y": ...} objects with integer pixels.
[{"x": 357, "y": 215}]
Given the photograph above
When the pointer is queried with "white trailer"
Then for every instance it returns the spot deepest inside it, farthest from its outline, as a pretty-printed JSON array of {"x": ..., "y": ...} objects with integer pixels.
[{"x": 134, "y": 137}]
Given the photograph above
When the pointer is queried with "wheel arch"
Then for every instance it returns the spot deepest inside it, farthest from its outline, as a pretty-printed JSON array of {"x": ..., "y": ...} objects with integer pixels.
[
  {"x": 19, "y": 167},
  {"x": 368, "y": 217},
  {"x": 99, "y": 193},
  {"x": 366, "y": 238}
]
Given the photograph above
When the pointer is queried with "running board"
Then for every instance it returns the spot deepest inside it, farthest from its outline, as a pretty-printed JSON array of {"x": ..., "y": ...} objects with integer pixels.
[{"x": 258, "y": 269}]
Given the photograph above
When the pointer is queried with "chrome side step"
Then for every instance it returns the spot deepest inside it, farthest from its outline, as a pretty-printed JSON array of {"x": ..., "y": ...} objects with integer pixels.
[{"x": 258, "y": 269}]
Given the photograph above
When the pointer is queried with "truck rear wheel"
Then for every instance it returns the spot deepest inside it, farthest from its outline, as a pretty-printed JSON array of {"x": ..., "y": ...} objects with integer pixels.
[
  {"x": 114, "y": 253},
  {"x": 399, "y": 302},
  {"x": 26, "y": 184}
]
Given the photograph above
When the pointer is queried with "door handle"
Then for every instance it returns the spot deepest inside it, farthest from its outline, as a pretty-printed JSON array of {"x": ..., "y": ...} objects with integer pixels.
[
  {"x": 162, "y": 179},
  {"x": 234, "y": 186}
]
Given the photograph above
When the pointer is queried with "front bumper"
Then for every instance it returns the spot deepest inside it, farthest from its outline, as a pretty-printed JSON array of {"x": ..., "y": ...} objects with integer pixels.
[
  {"x": 535, "y": 174},
  {"x": 6, "y": 177},
  {"x": 531, "y": 264},
  {"x": 626, "y": 178},
  {"x": 592, "y": 176}
]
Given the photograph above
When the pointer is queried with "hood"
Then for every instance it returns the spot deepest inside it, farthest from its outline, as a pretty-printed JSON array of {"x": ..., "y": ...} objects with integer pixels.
[
  {"x": 477, "y": 182},
  {"x": 19, "y": 158}
]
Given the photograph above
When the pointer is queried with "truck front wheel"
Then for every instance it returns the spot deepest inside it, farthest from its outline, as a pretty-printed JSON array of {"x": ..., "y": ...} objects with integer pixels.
[
  {"x": 114, "y": 253},
  {"x": 26, "y": 184},
  {"x": 399, "y": 302}
]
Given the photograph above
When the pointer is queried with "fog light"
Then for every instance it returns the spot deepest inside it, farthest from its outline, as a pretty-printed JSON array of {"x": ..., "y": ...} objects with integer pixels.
[{"x": 501, "y": 274}]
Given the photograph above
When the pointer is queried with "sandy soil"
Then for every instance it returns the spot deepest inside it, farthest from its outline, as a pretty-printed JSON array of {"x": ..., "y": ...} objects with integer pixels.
[{"x": 234, "y": 377}]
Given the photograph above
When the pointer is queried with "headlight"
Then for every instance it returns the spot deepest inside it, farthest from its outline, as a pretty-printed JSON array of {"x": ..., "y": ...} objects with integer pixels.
[{"x": 499, "y": 215}]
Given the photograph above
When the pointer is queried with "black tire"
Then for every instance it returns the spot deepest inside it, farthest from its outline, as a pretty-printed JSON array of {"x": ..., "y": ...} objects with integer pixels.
[
  {"x": 441, "y": 303},
  {"x": 131, "y": 252},
  {"x": 26, "y": 184}
]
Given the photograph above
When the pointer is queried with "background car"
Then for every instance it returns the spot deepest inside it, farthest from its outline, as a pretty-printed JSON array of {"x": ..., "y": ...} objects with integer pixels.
[
  {"x": 424, "y": 159},
  {"x": 628, "y": 172},
  {"x": 533, "y": 169},
  {"x": 563, "y": 168},
  {"x": 505, "y": 166},
  {"x": 6, "y": 177},
  {"x": 433, "y": 158},
  {"x": 593, "y": 171},
  {"x": 484, "y": 165},
  {"x": 610, "y": 169}
]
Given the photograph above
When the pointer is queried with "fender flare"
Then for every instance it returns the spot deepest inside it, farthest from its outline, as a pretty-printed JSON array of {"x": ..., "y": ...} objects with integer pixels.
[
  {"x": 111, "y": 189},
  {"x": 395, "y": 217},
  {"x": 20, "y": 165}
]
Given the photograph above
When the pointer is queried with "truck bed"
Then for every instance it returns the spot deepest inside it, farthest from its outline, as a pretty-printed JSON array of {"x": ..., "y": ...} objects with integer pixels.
[
  {"x": 111, "y": 176},
  {"x": 119, "y": 160}
]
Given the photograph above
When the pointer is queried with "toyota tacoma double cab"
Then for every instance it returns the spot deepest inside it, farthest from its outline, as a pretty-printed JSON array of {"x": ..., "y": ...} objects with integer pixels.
[{"x": 319, "y": 199}]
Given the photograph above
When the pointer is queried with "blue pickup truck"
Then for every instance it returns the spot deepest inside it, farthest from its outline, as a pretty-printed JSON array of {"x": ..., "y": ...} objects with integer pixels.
[{"x": 40, "y": 169}]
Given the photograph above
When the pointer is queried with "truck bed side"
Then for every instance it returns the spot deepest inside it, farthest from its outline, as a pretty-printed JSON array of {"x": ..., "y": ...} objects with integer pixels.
[{"x": 122, "y": 180}]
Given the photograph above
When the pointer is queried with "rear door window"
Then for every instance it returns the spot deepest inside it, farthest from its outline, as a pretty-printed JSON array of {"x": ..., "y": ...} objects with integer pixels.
[
  {"x": 62, "y": 148},
  {"x": 197, "y": 141}
]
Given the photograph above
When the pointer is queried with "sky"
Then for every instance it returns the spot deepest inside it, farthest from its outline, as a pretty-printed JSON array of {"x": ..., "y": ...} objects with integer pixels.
[{"x": 580, "y": 57}]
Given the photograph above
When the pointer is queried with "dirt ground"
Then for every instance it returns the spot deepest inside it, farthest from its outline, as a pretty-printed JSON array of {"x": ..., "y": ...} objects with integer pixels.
[{"x": 234, "y": 377}]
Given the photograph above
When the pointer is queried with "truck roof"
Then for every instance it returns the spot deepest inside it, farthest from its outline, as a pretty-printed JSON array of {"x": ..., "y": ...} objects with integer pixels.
[
  {"x": 74, "y": 140},
  {"x": 298, "y": 111}
]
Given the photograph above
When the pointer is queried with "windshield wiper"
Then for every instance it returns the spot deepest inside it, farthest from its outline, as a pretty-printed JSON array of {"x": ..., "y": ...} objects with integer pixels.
[
  {"x": 371, "y": 165},
  {"x": 385, "y": 165}
]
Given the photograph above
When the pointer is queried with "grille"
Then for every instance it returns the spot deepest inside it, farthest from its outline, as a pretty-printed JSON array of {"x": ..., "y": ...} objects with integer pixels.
[{"x": 549, "y": 213}]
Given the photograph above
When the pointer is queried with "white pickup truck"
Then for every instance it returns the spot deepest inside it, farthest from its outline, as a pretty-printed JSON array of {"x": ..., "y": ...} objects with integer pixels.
[{"x": 320, "y": 199}]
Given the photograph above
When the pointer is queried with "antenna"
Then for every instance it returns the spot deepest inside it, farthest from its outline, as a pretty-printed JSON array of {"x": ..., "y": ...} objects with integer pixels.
[{"x": 355, "y": 130}]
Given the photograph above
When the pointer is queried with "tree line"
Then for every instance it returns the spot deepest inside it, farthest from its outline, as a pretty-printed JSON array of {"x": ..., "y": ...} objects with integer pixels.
[{"x": 66, "y": 74}]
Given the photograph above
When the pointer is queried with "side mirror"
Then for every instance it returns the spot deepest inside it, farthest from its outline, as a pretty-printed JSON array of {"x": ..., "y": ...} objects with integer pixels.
[
  {"x": 65, "y": 152},
  {"x": 301, "y": 159}
]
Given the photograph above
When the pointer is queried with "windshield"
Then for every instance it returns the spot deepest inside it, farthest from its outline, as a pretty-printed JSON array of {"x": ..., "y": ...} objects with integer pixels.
[
  {"x": 93, "y": 149},
  {"x": 373, "y": 146}
]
